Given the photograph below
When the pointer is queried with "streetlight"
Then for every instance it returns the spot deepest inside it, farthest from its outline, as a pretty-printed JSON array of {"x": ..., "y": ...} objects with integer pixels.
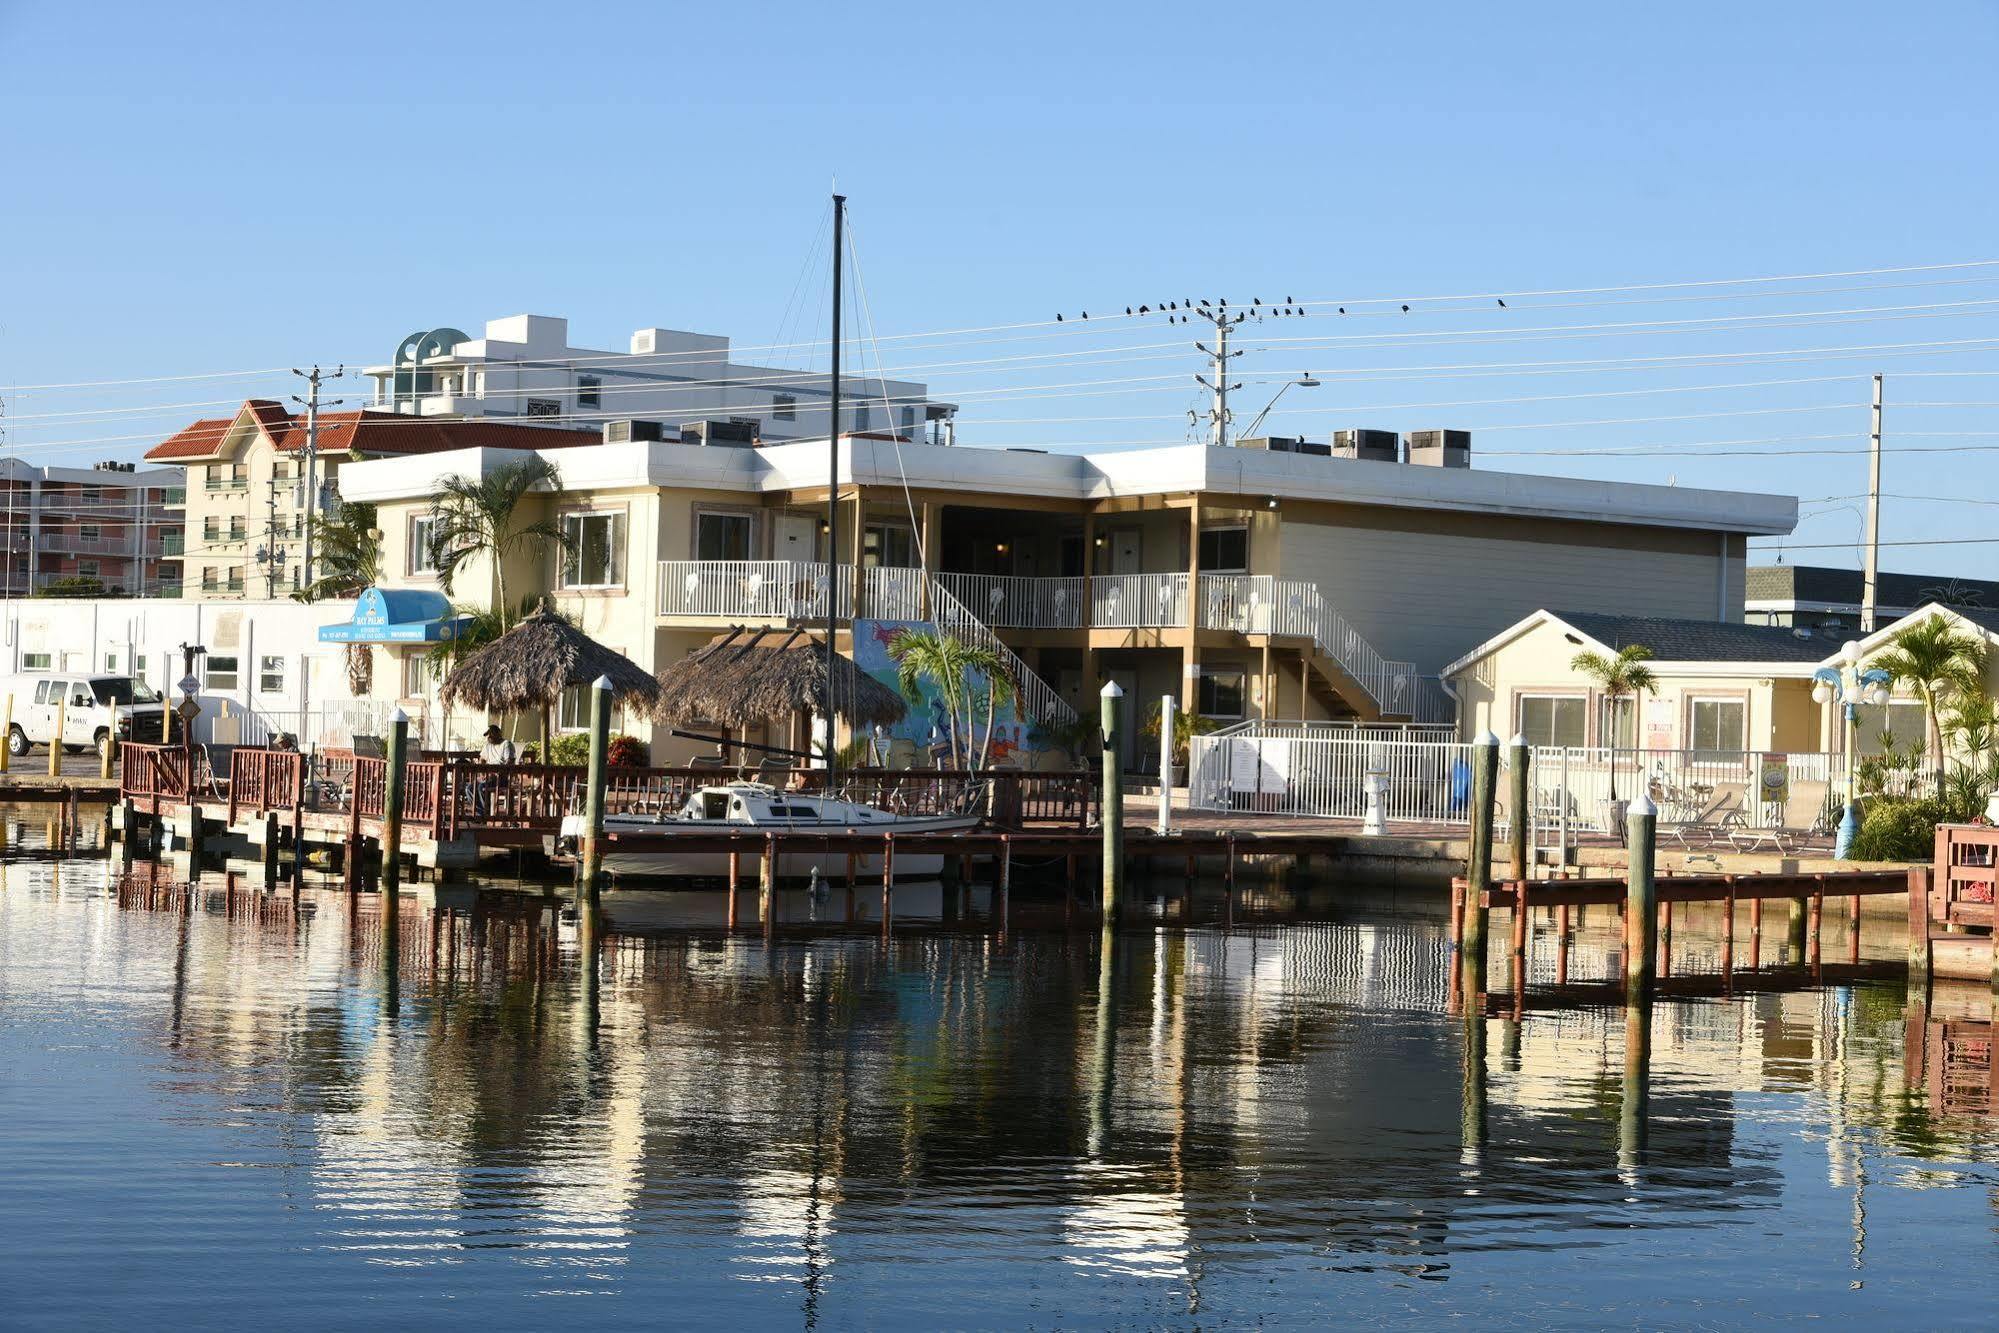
[
  {"x": 1304, "y": 381},
  {"x": 1847, "y": 684}
]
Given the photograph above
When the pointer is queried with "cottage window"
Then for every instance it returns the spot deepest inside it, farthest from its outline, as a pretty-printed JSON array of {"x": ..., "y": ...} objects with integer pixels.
[
  {"x": 1900, "y": 723},
  {"x": 221, "y": 672},
  {"x": 572, "y": 711},
  {"x": 596, "y": 554},
  {"x": 1554, "y": 719},
  {"x": 1718, "y": 728},
  {"x": 423, "y": 540},
  {"x": 720, "y": 536},
  {"x": 888, "y": 544},
  {"x": 1224, "y": 550},
  {"x": 1618, "y": 723},
  {"x": 270, "y": 675}
]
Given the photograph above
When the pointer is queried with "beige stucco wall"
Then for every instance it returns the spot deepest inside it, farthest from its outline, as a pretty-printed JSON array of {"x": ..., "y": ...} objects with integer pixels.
[
  {"x": 1779, "y": 714},
  {"x": 1428, "y": 587}
]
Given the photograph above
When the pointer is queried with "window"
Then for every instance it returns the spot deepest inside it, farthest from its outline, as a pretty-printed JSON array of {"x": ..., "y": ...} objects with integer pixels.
[
  {"x": 235, "y": 580},
  {"x": 1220, "y": 694},
  {"x": 86, "y": 569},
  {"x": 109, "y": 692},
  {"x": 236, "y": 529},
  {"x": 35, "y": 661},
  {"x": 888, "y": 544},
  {"x": 908, "y": 418},
  {"x": 1718, "y": 726},
  {"x": 572, "y": 711},
  {"x": 417, "y": 676},
  {"x": 721, "y": 536},
  {"x": 211, "y": 529},
  {"x": 1554, "y": 719},
  {"x": 1224, "y": 550},
  {"x": 111, "y": 659},
  {"x": 221, "y": 672},
  {"x": 207, "y": 579},
  {"x": 543, "y": 407},
  {"x": 479, "y": 385},
  {"x": 589, "y": 391},
  {"x": 270, "y": 675},
  {"x": 864, "y": 417},
  {"x": 596, "y": 558},
  {"x": 90, "y": 532},
  {"x": 1618, "y": 723},
  {"x": 1901, "y": 723},
  {"x": 784, "y": 406},
  {"x": 423, "y": 535}
]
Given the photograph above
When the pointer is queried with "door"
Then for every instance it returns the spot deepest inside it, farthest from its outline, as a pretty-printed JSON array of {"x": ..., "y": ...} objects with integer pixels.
[
  {"x": 1127, "y": 681},
  {"x": 1125, "y": 551},
  {"x": 40, "y": 722},
  {"x": 795, "y": 537},
  {"x": 80, "y": 718}
]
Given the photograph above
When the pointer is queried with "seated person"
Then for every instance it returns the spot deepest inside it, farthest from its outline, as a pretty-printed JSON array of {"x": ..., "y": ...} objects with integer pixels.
[{"x": 497, "y": 750}]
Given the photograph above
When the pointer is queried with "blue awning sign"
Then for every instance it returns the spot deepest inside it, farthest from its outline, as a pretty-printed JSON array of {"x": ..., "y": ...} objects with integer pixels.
[{"x": 397, "y": 615}]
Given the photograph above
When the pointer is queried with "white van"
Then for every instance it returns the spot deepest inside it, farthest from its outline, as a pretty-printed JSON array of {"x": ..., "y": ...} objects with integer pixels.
[{"x": 93, "y": 707}]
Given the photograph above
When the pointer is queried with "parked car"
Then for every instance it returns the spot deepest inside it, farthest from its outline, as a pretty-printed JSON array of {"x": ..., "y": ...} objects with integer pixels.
[{"x": 92, "y": 708}]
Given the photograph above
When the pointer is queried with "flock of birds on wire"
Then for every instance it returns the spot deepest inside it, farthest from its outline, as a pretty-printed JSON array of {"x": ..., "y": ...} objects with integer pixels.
[{"x": 1218, "y": 312}]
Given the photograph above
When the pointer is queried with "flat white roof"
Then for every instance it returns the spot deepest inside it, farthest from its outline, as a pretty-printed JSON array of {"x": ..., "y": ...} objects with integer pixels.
[{"x": 1176, "y": 469}]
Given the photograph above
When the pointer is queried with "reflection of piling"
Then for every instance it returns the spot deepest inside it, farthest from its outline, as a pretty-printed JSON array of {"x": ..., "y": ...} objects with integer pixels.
[
  {"x": 1919, "y": 927},
  {"x": 1633, "y": 1107},
  {"x": 888, "y": 885},
  {"x": 392, "y": 836},
  {"x": 593, "y": 829},
  {"x": 1794, "y": 929},
  {"x": 1518, "y": 756},
  {"x": 1113, "y": 802},
  {"x": 1478, "y": 869},
  {"x": 1471, "y": 1106},
  {"x": 1003, "y": 908},
  {"x": 1641, "y": 903},
  {"x": 1103, "y": 1073}
]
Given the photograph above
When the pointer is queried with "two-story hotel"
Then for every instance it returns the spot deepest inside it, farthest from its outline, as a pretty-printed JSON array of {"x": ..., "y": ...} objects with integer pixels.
[{"x": 1249, "y": 582}]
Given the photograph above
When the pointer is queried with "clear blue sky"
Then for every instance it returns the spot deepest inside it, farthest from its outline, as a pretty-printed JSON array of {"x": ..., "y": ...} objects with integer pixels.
[{"x": 217, "y": 187}]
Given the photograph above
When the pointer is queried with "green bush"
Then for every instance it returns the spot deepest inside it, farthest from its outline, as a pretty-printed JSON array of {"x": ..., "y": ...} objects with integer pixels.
[
  {"x": 574, "y": 748},
  {"x": 1892, "y": 830}
]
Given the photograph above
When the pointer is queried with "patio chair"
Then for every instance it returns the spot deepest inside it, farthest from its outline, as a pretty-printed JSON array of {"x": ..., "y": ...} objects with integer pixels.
[
  {"x": 1717, "y": 817},
  {"x": 1803, "y": 817}
]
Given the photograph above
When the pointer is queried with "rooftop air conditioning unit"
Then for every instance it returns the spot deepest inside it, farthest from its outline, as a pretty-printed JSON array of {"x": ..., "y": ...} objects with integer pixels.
[
  {"x": 631, "y": 432},
  {"x": 1284, "y": 444},
  {"x": 724, "y": 434},
  {"x": 1440, "y": 448},
  {"x": 1377, "y": 446}
]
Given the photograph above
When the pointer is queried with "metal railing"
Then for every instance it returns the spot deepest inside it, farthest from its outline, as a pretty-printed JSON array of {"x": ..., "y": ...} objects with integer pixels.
[
  {"x": 1302, "y": 769},
  {"x": 1038, "y": 701},
  {"x": 1265, "y": 604},
  {"x": 1138, "y": 601},
  {"x": 757, "y": 589},
  {"x": 892, "y": 592},
  {"x": 1018, "y": 602},
  {"x": 69, "y": 541}
]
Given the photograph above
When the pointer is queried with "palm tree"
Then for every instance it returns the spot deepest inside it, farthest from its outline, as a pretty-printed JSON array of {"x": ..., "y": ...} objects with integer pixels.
[
  {"x": 1624, "y": 674},
  {"x": 480, "y": 516},
  {"x": 955, "y": 668},
  {"x": 1941, "y": 664},
  {"x": 348, "y": 554}
]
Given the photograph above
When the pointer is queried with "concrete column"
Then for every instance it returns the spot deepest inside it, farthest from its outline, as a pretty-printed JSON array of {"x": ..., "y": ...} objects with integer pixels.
[{"x": 932, "y": 537}]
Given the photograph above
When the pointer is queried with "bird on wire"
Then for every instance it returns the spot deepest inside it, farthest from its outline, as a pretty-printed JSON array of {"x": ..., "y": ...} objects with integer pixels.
[
  {"x": 1502, "y": 302},
  {"x": 1405, "y": 310}
]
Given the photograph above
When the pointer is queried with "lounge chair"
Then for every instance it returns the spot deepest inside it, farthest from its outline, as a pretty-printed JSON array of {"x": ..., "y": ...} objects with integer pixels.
[
  {"x": 1804, "y": 816},
  {"x": 1718, "y": 817}
]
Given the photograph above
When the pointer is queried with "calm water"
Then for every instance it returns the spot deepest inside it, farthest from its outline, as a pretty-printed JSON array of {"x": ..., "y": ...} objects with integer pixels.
[{"x": 216, "y": 1109}]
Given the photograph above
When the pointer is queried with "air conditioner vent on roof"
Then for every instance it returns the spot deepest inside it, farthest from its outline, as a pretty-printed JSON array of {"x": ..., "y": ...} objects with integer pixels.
[
  {"x": 629, "y": 432},
  {"x": 1284, "y": 444},
  {"x": 1440, "y": 448},
  {"x": 1377, "y": 446}
]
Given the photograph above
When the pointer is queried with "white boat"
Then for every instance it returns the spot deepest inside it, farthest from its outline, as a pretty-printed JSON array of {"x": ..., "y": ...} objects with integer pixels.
[{"x": 756, "y": 807}]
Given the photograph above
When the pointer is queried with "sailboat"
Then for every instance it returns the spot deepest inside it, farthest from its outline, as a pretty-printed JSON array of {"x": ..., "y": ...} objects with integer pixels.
[{"x": 734, "y": 807}]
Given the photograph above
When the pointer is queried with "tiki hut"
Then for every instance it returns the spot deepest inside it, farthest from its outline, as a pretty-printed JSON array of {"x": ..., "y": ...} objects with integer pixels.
[
  {"x": 749, "y": 678},
  {"x": 527, "y": 669}
]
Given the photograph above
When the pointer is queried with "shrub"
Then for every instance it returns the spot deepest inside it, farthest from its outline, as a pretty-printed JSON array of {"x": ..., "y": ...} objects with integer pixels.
[
  {"x": 628, "y": 752},
  {"x": 1892, "y": 830},
  {"x": 574, "y": 748}
]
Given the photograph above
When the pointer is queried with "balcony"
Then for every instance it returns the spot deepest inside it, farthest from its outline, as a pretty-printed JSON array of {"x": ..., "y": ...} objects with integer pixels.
[
  {"x": 220, "y": 485},
  {"x": 71, "y": 542},
  {"x": 175, "y": 497},
  {"x": 172, "y": 544},
  {"x": 782, "y": 590}
]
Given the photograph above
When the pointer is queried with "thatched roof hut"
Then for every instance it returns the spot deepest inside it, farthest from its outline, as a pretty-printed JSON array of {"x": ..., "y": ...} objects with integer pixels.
[
  {"x": 529, "y": 667},
  {"x": 748, "y": 677}
]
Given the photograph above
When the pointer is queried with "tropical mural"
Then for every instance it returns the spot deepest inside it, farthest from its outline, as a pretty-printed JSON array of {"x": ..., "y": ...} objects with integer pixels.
[{"x": 932, "y": 721}]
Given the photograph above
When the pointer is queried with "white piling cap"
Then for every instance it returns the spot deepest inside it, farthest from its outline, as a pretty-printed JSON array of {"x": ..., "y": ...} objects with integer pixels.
[
  {"x": 1642, "y": 805},
  {"x": 1519, "y": 741},
  {"x": 601, "y": 683},
  {"x": 1488, "y": 738},
  {"x": 398, "y": 716},
  {"x": 1112, "y": 690}
]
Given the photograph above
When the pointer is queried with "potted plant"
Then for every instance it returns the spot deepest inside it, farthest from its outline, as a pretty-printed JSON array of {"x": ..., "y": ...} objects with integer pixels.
[
  {"x": 1619, "y": 677},
  {"x": 1186, "y": 726}
]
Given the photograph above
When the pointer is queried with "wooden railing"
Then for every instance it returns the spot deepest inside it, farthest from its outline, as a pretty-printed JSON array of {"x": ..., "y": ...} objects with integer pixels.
[
  {"x": 423, "y": 792},
  {"x": 265, "y": 780},
  {"x": 152, "y": 773},
  {"x": 1967, "y": 875}
]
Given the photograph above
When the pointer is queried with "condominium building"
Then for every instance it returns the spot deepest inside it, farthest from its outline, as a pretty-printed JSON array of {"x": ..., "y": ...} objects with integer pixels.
[
  {"x": 245, "y": 502},
  {"x": 1828, "y": 599},
  {"x": 525, "y": 368},
  {"x": 1246, "y": 582},
  {"x": 109, "y": 530}
]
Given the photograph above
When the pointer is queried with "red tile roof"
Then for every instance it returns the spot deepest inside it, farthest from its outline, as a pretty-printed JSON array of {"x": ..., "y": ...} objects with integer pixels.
[{"x": 371, "y": 432}]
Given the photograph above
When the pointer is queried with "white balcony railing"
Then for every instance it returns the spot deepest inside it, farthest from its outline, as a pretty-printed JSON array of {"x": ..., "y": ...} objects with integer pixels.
[
  {"x": 1038, "y": 703},
  {"x": 1018, "y": 602},
  {"x": 892, "y": 592},
  {"x": 1138, "y": 601},
  {"x": 750, "y": 589},
  {"x": 1262, "y": 604}
]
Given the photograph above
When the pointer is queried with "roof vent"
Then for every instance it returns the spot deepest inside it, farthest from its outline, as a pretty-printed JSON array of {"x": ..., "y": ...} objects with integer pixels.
[
  {"x": 1802, "y": 632},
  {"x": 1440, "y": 448},
  {"x": 631, "y": 432},
  {"x": 725, "y": 434},
  {"x": 1285, "y": 444},
  {"x": 1377, "y": 446}
]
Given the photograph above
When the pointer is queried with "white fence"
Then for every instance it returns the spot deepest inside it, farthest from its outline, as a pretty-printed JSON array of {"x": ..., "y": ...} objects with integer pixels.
[
  {"x": 1020, "y": 602},
  {"x": 1138, "y": 601},
  {"x": 1306, "y": 769}
]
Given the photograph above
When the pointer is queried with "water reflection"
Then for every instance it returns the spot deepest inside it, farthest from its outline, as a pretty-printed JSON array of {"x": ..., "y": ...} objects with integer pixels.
[{"x": 491, "y": 1102}]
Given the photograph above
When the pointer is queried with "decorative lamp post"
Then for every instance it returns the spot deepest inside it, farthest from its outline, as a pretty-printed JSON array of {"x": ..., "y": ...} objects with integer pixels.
[{"x": 1849, "y": 685}]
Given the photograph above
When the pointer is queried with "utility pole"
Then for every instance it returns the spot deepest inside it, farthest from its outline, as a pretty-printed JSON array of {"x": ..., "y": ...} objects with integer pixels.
[
  {"x": 268, "y": 552},
  {"x": 310, "y": 499},
  {"x": 1871, "y": 578},
  {"x": 1219, "y": 356}
]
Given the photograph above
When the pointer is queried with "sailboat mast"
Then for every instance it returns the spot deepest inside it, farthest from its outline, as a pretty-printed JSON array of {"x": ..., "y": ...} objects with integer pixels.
[{"x": 833, "y": 491}]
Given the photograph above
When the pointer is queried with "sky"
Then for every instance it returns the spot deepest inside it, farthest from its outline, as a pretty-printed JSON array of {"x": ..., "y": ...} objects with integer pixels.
[{"x": 202, "y": 189}]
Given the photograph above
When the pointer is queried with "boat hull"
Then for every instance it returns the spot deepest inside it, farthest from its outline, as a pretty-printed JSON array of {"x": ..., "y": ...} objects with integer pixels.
[{"x": 667, "y": 862}]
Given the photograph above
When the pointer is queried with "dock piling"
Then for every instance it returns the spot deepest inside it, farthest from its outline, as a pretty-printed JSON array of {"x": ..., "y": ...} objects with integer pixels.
[
  {"x": 107, "y": 755},
  {"x": 1518, "y": 758},
  {"x": 1641, "y": 914},
  {"x": 7, "y": 735},
  {"x": 392, "y": 836},
  {"x": 1478, "y": 870},
  {"x": 1113, "y": 800},
  {"x": 600, "y": 744},
  {"x": 55, "y": 740}
]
